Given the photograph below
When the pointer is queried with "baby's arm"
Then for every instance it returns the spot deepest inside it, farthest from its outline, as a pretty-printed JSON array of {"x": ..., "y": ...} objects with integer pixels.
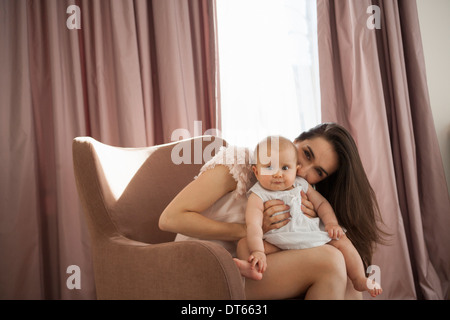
[
  {"x": 254, "y": 218},
  {"x": 325, "y": 213}
]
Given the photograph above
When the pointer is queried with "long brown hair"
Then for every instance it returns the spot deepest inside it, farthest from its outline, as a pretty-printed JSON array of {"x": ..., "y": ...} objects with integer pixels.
[{"x": 349, "y": 192}]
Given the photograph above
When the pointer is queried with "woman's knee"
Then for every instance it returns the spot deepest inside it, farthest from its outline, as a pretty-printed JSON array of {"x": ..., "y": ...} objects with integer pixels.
[
  {"x": 333, "y": 263},
  {"x": 330, "y": 276}
]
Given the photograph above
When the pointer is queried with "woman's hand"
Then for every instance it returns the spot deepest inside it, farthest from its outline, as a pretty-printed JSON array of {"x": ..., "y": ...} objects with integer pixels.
[
  {"x": 272, "y": 207},
  {"x": 270, "y": 221},
  {"x": 308, "y": 207}
]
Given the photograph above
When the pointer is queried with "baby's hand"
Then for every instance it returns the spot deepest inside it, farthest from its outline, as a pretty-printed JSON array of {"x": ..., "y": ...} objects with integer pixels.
[
  {"x": 334, "y": 231},
  {"x": 258, "y": 260}
]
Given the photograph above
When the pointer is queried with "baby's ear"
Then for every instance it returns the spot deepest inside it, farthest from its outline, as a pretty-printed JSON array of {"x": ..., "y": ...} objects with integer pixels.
[{"x": 255, "y": 170}]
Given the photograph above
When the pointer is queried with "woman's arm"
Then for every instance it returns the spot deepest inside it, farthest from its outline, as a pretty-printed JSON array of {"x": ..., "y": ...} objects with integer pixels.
[{"x": 182, "y": 215}]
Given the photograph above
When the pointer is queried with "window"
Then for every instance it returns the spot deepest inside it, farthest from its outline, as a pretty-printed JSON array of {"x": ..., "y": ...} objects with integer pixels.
[{"x": 269, "y": 78}]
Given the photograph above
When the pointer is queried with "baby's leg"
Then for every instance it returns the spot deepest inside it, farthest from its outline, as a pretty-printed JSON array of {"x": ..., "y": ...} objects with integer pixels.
[
  {"x": 355, "y": 267},
  {"x": 270, "y": 248},
  {"x": 243, "y": 252}
]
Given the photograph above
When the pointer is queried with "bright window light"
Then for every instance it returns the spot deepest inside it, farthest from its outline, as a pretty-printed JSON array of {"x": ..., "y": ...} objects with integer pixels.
[{"x": 269, "y": 76}]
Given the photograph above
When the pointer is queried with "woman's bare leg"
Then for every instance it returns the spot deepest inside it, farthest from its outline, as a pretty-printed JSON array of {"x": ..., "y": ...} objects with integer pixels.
[{"x": 319, "y": 273}]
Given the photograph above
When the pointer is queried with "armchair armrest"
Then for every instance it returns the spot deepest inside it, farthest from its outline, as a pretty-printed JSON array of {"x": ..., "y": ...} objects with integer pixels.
[{"x": 197, "y": 270}]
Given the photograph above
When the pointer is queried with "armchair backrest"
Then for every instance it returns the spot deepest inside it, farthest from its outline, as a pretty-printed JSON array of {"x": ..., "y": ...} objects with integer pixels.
[{"x": 125, "y": 190}]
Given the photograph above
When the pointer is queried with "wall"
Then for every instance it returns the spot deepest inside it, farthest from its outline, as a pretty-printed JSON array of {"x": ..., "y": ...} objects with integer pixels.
[{"x": 434, "y": 17}]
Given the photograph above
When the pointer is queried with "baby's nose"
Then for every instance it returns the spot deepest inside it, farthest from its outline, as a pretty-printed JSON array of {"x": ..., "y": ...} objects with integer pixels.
[{"x": 278, "y": 173}]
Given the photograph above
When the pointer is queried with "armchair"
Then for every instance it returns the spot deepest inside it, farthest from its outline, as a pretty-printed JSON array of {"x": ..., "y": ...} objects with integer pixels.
[{"x": 123, "y": 192}]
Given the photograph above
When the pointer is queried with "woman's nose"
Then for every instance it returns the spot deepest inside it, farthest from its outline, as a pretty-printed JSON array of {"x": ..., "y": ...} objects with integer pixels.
[{"x": 302, "y": 170}]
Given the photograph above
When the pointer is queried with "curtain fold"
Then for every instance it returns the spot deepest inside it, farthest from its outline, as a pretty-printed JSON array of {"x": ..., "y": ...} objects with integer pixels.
[
  {"x": 135, "y": 72},
  {"x": 373, "y": 82}
]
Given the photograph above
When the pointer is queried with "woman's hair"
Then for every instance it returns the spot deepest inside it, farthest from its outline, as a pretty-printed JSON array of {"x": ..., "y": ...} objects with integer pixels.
[{"x": 348, "y": 190}]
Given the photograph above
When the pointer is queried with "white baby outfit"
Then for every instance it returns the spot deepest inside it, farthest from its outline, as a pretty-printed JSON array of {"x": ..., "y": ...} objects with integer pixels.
[{"x": 301, "y": 232}]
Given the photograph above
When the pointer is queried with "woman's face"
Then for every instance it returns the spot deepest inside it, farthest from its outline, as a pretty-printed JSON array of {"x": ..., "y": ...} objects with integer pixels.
[{"x": 317, "y": 159}]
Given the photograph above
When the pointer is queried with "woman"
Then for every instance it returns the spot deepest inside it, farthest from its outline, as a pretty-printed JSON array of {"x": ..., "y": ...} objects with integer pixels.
[{"x": 212, "y": 207}]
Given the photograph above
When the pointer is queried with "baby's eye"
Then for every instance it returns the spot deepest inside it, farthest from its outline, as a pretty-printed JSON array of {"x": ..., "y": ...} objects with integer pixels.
[
  {"x": 285, "y": 168},
  {"x": 269, "y": 168}
]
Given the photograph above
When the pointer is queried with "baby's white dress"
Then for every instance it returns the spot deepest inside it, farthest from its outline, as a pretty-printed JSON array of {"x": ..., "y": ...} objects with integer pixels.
[{"x": 301, "y": 232}]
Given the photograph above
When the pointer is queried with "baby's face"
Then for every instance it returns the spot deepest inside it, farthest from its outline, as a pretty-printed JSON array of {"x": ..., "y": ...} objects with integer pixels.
[{"x": 279, "y": 172}]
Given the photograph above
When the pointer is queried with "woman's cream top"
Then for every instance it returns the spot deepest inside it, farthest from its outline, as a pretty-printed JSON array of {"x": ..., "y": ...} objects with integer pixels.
[{"x": 230, "y": 207}]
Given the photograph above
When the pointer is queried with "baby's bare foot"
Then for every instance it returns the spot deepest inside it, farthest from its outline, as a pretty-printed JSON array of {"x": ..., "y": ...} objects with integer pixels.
[
  {"x": 247, "y": 270},
  {"x": 365, "y": 284},
  {"x": 373, "y": 287}
]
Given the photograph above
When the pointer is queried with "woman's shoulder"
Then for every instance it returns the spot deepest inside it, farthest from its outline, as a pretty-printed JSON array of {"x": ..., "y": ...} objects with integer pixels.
[{"x": 238, "y": 161}]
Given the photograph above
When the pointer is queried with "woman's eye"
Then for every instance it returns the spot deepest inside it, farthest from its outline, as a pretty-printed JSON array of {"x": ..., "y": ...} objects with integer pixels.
[
  {"x": 307, "y": 154},
  {"x": 319, "y": 173}
]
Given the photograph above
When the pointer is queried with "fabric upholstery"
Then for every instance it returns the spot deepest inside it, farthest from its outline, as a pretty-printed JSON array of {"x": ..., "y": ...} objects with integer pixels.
[{"x": 123, "y": 192}]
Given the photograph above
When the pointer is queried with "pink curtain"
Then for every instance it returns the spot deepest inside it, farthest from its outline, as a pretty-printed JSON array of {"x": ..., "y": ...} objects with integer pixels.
[
  {"x": 373, "y": 82},
  {"x": 134, "y": 72}
]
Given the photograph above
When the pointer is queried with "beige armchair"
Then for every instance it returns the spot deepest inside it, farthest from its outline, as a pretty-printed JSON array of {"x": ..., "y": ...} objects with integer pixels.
[{"x": 123, "y": 192}]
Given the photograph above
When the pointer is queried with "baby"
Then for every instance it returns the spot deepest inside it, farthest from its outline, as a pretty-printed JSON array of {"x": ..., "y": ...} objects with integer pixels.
[{"x": 276, "y": 172}]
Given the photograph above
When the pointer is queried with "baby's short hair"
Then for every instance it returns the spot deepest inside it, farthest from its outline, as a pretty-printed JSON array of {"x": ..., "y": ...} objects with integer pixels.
[{"x": 273, "y": 143}]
